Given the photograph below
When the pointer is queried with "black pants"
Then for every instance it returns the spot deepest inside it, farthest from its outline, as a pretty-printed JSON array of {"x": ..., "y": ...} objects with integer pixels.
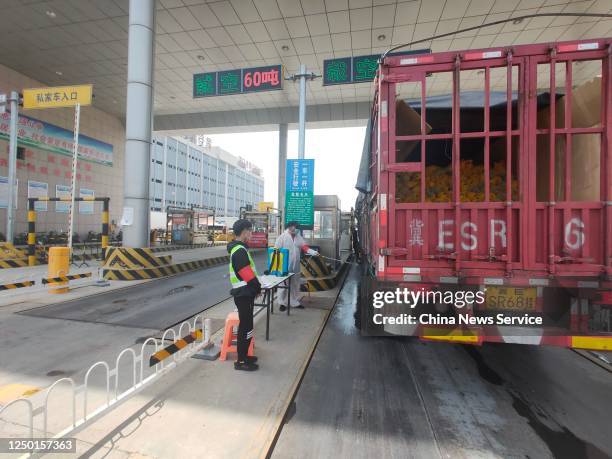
[{"x": 245, "y": 306}]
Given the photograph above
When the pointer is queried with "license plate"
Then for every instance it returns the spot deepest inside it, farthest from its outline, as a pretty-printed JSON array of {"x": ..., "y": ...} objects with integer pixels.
[{"x": 511, "y": 298}]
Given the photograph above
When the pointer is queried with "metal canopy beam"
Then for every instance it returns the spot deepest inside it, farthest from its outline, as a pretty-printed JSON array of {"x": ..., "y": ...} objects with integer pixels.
[{"x": 355, "y": 113}]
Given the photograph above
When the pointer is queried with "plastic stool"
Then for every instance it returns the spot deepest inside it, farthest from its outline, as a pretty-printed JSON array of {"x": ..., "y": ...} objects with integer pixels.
[{"x": 229, "y": 337}]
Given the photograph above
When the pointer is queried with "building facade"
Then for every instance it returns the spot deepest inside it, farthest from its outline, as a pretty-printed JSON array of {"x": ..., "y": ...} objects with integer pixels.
[
  {"x": 44, "y": 164},
  {"x": 185, "y": 174}
]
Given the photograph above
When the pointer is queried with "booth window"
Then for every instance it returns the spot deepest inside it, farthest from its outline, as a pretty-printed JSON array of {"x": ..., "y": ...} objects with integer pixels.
[{"x": 323, "y": 224}]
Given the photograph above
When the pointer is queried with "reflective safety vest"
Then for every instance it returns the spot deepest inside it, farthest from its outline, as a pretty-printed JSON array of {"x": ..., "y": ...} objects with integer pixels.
[{"x": 236, "y": 283}]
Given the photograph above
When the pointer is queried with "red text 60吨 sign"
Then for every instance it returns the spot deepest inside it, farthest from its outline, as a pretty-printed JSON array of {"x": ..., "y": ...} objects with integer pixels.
[{"x": 262, "y": 78}]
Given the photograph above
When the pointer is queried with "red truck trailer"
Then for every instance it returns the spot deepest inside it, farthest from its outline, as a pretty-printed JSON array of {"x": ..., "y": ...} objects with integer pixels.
[{"x": 491, "y": 170}]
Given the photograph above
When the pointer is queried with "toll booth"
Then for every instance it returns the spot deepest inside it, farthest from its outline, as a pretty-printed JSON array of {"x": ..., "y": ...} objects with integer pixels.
[
  {"x": 266, "y": 225},
  {"x": 325, "y": 234},
  {"x": 190, "y": 226},
  {"x": 346, "y": 223}
]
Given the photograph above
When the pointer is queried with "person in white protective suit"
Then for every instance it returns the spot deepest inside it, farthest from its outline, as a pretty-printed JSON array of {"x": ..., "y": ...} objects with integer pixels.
[{"x": 291, "y": 240}]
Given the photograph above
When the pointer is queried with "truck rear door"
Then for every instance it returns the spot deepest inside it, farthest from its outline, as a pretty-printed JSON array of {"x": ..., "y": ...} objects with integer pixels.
[
  {"x": 457, "y": 165},
  {"x": 570, "y": 137}
]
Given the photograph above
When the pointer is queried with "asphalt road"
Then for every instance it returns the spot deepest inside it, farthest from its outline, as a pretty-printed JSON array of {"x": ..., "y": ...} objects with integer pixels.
[
  {"x": 399, "y": 397},
  {"x": 153, "y": 305}
]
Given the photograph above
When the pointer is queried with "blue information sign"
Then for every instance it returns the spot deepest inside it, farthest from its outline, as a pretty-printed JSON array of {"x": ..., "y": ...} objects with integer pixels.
[
  {"x": 300, "y": 175},
  {"x": 299, "y": 192}
]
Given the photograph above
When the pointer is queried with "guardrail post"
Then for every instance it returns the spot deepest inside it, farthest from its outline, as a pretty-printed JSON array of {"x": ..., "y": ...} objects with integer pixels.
[
  {"x": 207, "y": 327},
  {"x": 210, "y": 350}
]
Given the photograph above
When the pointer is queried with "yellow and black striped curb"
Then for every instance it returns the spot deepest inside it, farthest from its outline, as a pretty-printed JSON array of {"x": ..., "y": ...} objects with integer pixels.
[
  {"x": 53, "y": 280},
  {"x": 174, "y": 347},
  {"x": 13, "y": 263},
  {"x": 314, "y": 267},
  {"x": 134, "y": 258},
  {"x": 162, "y": 271},
  {"x": 17, "y": 285}
]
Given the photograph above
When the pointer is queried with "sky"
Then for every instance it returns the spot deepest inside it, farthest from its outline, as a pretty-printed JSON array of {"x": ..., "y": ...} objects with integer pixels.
[{"x": 336, "y": 152}]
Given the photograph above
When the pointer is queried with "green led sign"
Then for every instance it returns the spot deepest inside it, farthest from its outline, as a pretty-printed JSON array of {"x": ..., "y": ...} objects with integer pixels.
[
  {"x": 205, "y": 84},
  {"x": 357, "y": 69},
  {"x": 238, "y": 81},
  {"x": 337, "y": 71},
  {"x": 228, "y": 82},
  {"x": 364, "y": 68}
]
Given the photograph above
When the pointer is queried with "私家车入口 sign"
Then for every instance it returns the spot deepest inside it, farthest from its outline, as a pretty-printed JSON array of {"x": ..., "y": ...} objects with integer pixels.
[
  {"x": 238, "y": 81},
  {"x": 58, "y": 96},
  {"x": 299, "y": 192}
]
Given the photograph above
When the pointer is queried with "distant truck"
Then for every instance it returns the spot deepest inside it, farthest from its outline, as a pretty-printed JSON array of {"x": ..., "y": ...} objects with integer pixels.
[{"x": 490, "y": 170}]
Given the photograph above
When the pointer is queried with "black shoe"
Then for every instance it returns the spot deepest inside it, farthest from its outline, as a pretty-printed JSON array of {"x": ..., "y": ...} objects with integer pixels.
[
  {"x": 251, "y": 359},
  {"x": 299, "y": 306},
  {"x": 283, "y": 308},
  {"x": 246, "y": 366}
]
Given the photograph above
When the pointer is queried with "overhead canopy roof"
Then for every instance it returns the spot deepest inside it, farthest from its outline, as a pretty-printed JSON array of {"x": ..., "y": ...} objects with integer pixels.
[{"x": 85, "y": 41}]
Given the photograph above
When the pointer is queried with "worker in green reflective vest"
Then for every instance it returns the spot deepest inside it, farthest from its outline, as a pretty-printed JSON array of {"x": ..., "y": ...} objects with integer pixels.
[{"x": 245, "y": 287}]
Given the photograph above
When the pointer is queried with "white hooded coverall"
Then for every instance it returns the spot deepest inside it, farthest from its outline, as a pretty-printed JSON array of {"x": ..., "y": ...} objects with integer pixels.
[{"x": 295, "y": 245}]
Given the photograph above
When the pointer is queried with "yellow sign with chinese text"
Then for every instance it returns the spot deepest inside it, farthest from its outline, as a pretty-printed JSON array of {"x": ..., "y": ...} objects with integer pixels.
[
  {"x": 263, "y": 206},
  {"x": 58, "y": 96}
]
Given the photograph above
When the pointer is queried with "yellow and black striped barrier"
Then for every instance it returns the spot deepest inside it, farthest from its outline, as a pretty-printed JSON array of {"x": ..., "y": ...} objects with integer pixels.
[
  {"x": 53, "y": 280},
  {"x": 9, "y": 251},
  {"x": 17, "y": 285},
  {"x": 318, "y": 284},
  {"x": 13, "y": 263},
  {"x": 105, "y": 220},
  {"x": 32, "y": 221},
  {"x": 134, "y": 258},
  {"x": 314, "y": 267},
  {"x": 174, "y": 347},
  {"x": 161, "y": 271},
  {"x": 31, "y": 232},
  {"x": 11, "y": 256}
]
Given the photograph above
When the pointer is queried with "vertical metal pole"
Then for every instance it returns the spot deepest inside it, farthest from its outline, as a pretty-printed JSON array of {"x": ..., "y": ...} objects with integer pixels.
[
  {"x": 10, "y": 209},
  {"x": 282, "y": 165},
  {"x": 201, "y": 181},
  {"x": 552, "y": 195},
  {"x": 105, "y": 210},
  {"x": 302, "y": 114},
  {"x": 165, "y": 171},
  {"x": 207, "y": 329},
  {"x": 141, "y": 38},
  {"x": 456, "y": 158},
  {"x": 31, "y": 233},
  {"x": 509, "y": 245},
  {"x": 75, "y": 158},
  {"x": 225, "y": 212}
]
